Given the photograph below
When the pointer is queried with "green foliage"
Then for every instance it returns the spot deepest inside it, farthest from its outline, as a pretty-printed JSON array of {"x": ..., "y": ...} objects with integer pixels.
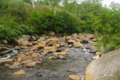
[
  {"x": 45, "y": 21},
  {"x": 108, "y": 26}
]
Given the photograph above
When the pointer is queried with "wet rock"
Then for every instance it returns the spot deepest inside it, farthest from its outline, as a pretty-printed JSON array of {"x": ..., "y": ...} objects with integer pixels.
[
  {"x": 23, "y": 57},
  {"x": 90, "y": 36},
  {"x": 23, "y": 40},
  {"x": 94, "y": 40},
  {"x": 29, "y": 44},
  {"x": 77, "y": 44},
  {"x": 31, "y": 64},
  {"x": 81, "y": 36},
  {"x": 16, "y": 63},
  {"x": 4, "y": 42},
  {"x": 84, "y": 40},
  {"x": 95, "y": 57},
  {"x": 51, "y": 41},
  {"x": 49, "y": 49},
  {"x": 26, "y": 58},
  {"x": 74, "y": 77},
  {"x": 68, "y": 37},
  {"x": 98, "y": 53},
  {"x": 5, "y": 52},
  {"x": 17, "y": 48},
  {"x": 60, "y": 53},
  {"x": 33, "y": 38},
  {"x": 61, "y": 57},
  {"x": 63, "y": 44},
  {"x": 67, "y": 49},
  {"x": 13, "y": 67},
  {"x": 50, "y": 33},
  {"x": 6, "y": 61},
  {"x": 26, "y": 61},
  {"x": 21, "y": 72},
  {"x": 82, "y": 78},
  {"x": 93, "y": 51},
  {"x": 35, "y": 54},
  {"x": 25, "y": 37},
  {"x": 74, "y": 35},
  {"x": 61, "y": 40},
  {"x": 56, "y": 45},
  {"x": 6, "y": 65},
  {"x": 41, "y": 39},
  {"x": 90, "y": 47},
  {"x": 73, "y": 69},
  {"x": 71, "y": 41},
  {"x": 69, "y": 46},
  {"x": 25, "y": 50}
]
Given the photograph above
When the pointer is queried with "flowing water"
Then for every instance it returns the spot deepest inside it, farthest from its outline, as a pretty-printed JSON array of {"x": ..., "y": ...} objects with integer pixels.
[{"x": 55, "y": 69}]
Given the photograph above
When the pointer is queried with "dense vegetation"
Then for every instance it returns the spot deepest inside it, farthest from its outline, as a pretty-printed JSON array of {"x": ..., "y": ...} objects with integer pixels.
[{"x": 17, "y": 17}]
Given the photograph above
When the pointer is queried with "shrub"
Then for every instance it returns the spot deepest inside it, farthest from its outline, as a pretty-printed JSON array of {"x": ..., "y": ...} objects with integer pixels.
[
  {"x": 45, "y": 21},
  {"x": 108, "y": 26}
]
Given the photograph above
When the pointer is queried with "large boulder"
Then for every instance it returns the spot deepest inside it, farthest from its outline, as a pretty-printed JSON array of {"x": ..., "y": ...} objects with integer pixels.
[{"x": 106, "y": 67}]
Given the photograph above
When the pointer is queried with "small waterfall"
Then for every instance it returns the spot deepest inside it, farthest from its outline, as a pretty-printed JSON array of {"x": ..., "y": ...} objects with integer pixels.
[
  {"x": 84, "y": 49},
  {"x": 10, "y": 54}
]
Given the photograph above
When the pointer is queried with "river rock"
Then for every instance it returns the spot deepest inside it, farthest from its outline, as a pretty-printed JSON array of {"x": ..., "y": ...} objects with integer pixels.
[
  {"x": 72, "y": 69},
  {"x": 4, "y": 42},
  {"x": 17, "y": 47},
  {"x": 31, "y": 64},
  {"x": 61, "y": 40},
  {"x": 59, "y": 53},
  {"x": 63, "y": 44},
  {"x": 21, "y": 72},
  {"x": 41, "y": 39},
  {"x": 93, "y": 51},
  {"x": 83, "y": 78},
  {"x": 74, "y": 35},
  {"x": 26, "y": 61},
  {"x": 5, "y": 52},
  {"x": 52, "y": 49},
  {"x": 50, "y": 33},
  {"x": 74, "y": 77},
  {"x": 67, "y": 37},
  {"x": 6, "y": 60},
  {"x": 90, "y": 36},
  {"x": 25, "y": 37},
  {"x": 13, "y": 67},
  {"x": 6, "y": 65},
  {"x": 98, "y": 53},
  {"x": 56, "y": 45},
  {"x": 35, "y": 54},
  {"x": 71, "y": 41},
  {"x": 16, "y": 63},
  {"x": 33, "y": 38},
  {"x": 106, "y": 67},
  {"x": 67, "y": 49},
  {"x": 77, "y": 44}
]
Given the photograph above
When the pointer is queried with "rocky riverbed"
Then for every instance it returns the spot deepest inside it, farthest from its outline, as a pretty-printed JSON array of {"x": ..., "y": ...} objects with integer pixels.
[{"x": 48, "y": 58}]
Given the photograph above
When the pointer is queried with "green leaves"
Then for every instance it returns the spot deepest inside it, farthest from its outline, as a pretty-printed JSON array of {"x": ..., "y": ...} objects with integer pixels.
[{"x": 45, "y": 21}]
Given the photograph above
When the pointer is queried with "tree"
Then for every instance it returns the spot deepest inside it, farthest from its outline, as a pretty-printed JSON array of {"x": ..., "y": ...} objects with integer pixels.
[{"x": 33, "y": 4}]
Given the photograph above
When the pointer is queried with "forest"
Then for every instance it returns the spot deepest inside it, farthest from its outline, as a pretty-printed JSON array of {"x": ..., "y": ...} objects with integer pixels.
[{"x": 18, "y": 17}]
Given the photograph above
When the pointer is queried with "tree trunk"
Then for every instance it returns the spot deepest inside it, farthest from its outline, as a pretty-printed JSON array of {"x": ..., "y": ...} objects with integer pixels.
[
  {"x": 55, "y": 11},
  {"x": 33, "y": 4},
  {"x": 49, "y": 5}
]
